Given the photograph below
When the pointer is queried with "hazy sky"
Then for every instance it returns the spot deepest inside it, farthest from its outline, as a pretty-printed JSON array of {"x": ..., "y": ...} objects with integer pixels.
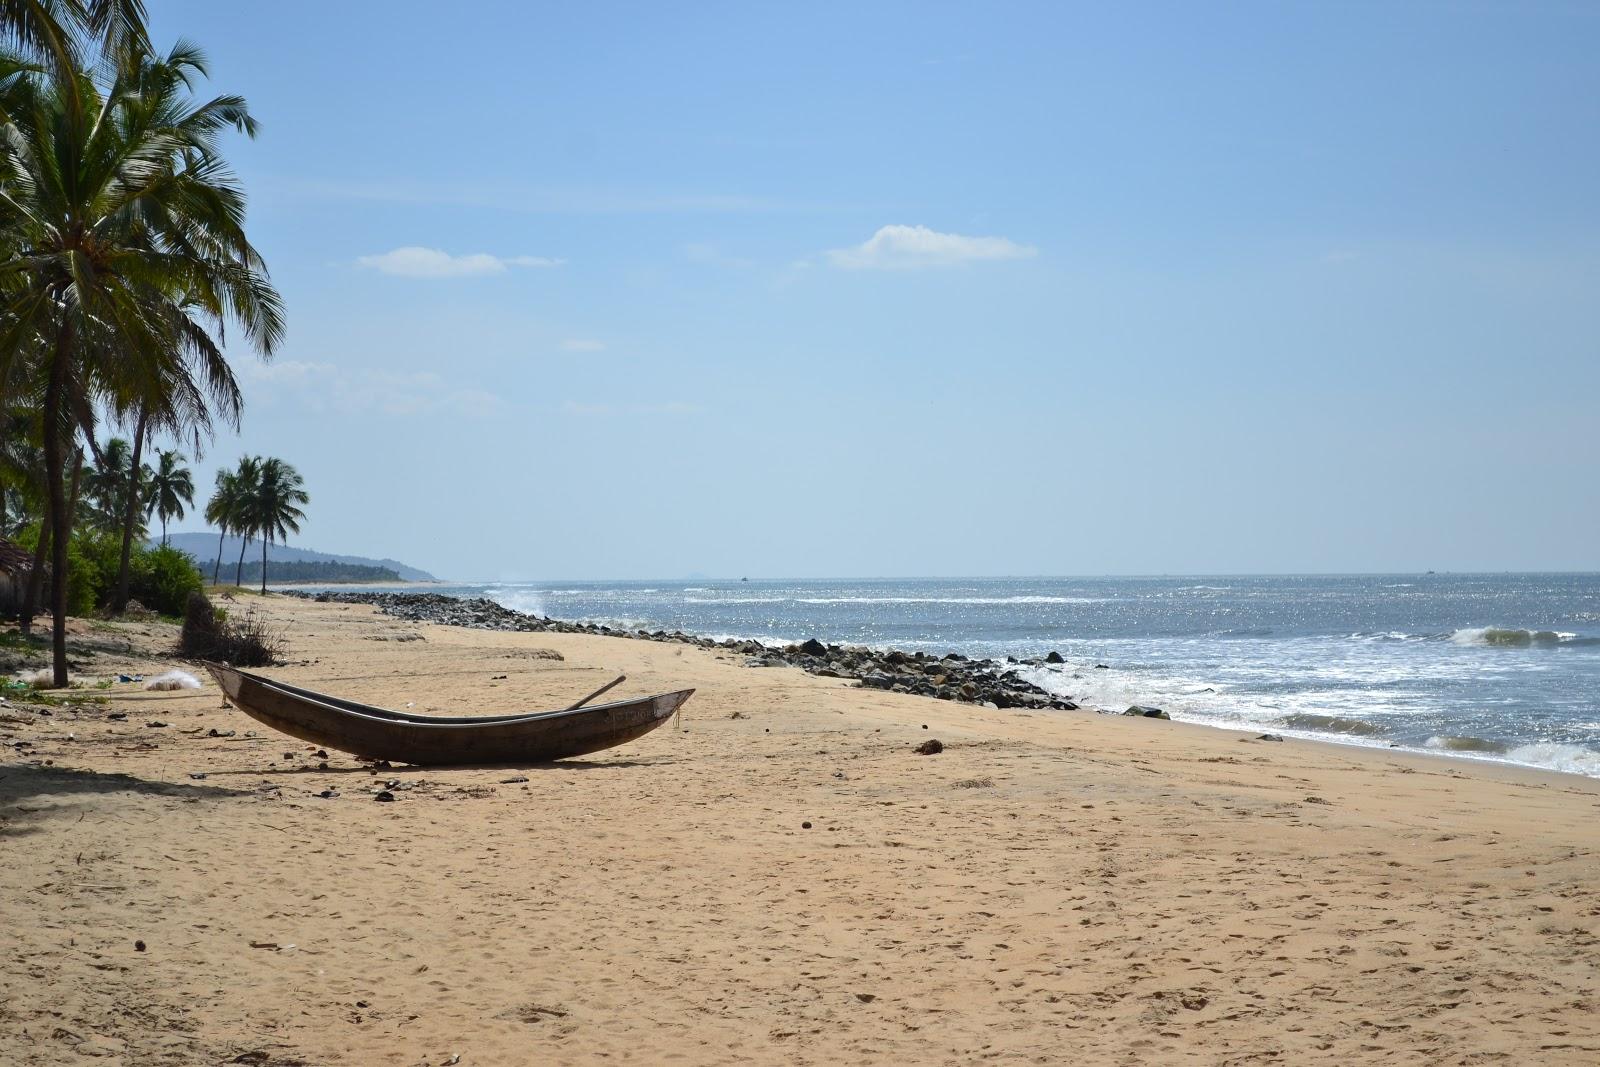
[{"x": 596, "y": 290}]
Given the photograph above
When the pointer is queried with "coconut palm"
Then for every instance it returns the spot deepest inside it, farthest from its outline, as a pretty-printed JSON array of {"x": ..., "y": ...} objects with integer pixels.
[
  {"x": 275, "y": 511},
  {"x": 171, "y": 487},
  {"x": 57, "y": 31},
  {"x": 107, "y": 483},
  {"x": 125, "y": 253},
  {"x": 219, "y": 511},
  {"x": 242, "y": 508}
]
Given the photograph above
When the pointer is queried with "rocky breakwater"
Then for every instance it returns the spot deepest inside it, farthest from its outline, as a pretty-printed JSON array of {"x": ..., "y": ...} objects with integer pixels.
[{"x": 993, "y": 683}]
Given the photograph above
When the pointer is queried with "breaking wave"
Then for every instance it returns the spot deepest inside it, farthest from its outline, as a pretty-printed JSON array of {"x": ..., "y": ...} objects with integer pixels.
[
  {"x": 954, "y": 600},
  {"x": 1505, "y": 637},
  {"x": 1468, "y": 744},
  {"x": 1332, "y": 724}
]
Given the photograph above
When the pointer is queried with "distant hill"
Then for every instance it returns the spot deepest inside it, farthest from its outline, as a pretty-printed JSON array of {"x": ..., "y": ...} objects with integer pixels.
[{"x": 203, "y": 547}]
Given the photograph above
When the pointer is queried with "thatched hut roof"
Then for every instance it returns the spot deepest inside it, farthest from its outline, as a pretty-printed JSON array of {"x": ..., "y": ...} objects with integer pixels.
[{"x": 14, "y": 559}]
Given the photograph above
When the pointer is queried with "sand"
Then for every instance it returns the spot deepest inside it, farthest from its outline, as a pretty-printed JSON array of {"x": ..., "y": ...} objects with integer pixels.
[{"x": 1052, "y": 888}]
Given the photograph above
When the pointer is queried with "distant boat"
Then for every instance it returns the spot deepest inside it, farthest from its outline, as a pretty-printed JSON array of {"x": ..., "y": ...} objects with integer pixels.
[{"x": 376, "y": 733}]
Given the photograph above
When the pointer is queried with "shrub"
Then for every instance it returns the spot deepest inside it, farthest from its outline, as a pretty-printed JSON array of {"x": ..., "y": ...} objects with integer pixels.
[
  {"x": 207, "y": 634},
  {"x": 201, "y": 628},
  {"x": 162, "y": 578}
]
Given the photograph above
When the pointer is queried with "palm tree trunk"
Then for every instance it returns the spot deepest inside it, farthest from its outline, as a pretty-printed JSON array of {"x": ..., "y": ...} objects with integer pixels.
[
  {"x": 238, "y": 572},
  {"x": 60, "y": 519},
  {"x": 265, "y": 541},
  {"x": 216, "y": 572},
  {"x": 130, "y": 514},
  {"x": 30, "y": 598},
  {"x": 163, "y": 529}
]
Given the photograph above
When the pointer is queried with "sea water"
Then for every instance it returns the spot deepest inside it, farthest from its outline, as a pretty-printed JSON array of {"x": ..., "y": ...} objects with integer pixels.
[{"x": 1501, "y": 667}]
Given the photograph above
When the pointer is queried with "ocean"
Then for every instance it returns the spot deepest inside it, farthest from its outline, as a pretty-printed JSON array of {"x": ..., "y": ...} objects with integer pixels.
[{"x": 1499, "y": 667}]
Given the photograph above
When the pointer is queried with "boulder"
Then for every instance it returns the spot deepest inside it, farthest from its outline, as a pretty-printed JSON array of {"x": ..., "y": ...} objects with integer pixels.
[
  {"x": 1055, "y": 657},
  {"x": 1141, "y": 711},
  {"x": 813, "y": 647}
]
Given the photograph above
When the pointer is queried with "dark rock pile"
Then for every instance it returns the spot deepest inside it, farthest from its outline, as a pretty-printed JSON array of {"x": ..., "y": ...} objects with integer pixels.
[{"x": 951, "y": 677}]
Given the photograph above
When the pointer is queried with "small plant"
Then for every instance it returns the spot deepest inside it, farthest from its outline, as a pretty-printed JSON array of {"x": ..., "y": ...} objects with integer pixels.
[{"x": 208, "y": 634}]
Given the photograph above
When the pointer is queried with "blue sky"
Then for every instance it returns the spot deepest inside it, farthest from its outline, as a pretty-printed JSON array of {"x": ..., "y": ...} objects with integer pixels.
[{"x": 641, "y": 290}]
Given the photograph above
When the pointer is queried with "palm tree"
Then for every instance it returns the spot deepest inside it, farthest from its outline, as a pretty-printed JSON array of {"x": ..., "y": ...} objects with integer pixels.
[
  {"x": 125, "y": 252},
  {"x": 219, "y": 511},
  {"x": 275, "y": 510},
  {"x": 242, "y": 509},
  {"x": 106, "y": 484},
  {"x": 171, "y": 487},
  {"x": 57, "y": 30}
]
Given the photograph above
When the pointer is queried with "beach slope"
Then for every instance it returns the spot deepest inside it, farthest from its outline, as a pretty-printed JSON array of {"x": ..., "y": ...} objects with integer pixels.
[{"x": 1051, "y": 887}]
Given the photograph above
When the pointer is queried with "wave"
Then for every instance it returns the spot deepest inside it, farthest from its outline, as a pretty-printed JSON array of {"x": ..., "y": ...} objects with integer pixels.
[
  {"x": 1332, "y": 724},
  {"x": 735, "y": 599},
  {"x": 528, "y": 603},
  {"x": 956, "y": 600},
  {"x": 1551, "y": 755},
  {"x": 1506, "y": 637},
  {"x": 1468, "y": 744}
]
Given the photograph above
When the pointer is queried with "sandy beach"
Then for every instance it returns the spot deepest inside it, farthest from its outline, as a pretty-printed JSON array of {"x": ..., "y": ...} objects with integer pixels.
[{"x": 1053, "y": 887}]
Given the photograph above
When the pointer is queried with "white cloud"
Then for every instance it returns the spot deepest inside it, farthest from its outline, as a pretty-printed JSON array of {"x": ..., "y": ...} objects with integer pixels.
[
  {"x": 911, "y": 247},
  {"x": 414, "y": 261},
  {"x": 286, "y": 372},
  {"x": 324, "y": 387},
  {"x": 583, "y": 344}
]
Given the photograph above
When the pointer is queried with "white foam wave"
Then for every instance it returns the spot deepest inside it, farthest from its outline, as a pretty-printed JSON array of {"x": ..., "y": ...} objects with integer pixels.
[
  {"x": 735, "y": 600},
  {"x": 527, "y": 601},
  {"x": 1571, "y": 759},
  {"x": 955, "y": 600},
  {"x": 1509, "y": 637}
]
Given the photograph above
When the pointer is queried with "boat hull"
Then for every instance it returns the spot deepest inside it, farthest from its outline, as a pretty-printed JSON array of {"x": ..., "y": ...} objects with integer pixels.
[{"x": 377, "y": 733}]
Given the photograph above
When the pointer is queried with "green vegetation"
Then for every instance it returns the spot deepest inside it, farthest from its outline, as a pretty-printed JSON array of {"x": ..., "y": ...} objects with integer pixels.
[
  {"x": 160, "y": 578},
  {"x": 123, "y": 258},
  {"x": 279, "y": 570},
  {"x": 261, "y": 499}
]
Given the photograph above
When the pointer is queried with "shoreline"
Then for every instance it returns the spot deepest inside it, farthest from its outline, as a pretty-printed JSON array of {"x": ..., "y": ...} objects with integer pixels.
[
  {"x": 779, "y": 878},
  {"x": 994, "y": 682}
]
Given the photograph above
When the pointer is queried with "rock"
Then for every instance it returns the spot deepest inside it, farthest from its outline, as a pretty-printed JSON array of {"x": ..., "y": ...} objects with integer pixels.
[
  {"x": 805, "y": 826},
  {"x": 1101, "y": 667},
  {"x": 1141, "y": 711},
  {"x": 138, "y": 946},
  {"x": 813, "y": 647},
  {"x": 878, "y": 680},
  {"x": 866, "y": 998},
  {"x": 1055, "y": 657},
  {"x": 1269, "y": 737},
  {"x": 930, "y": 747},
  {"x": 384, "y": 795}
]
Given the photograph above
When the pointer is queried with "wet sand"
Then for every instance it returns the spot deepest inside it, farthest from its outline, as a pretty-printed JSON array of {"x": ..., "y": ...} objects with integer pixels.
[{"x": 1053, "y": 887}]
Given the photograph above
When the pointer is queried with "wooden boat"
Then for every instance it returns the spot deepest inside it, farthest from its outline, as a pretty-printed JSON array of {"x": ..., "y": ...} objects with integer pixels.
[{"x": 377, "y": 733}]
